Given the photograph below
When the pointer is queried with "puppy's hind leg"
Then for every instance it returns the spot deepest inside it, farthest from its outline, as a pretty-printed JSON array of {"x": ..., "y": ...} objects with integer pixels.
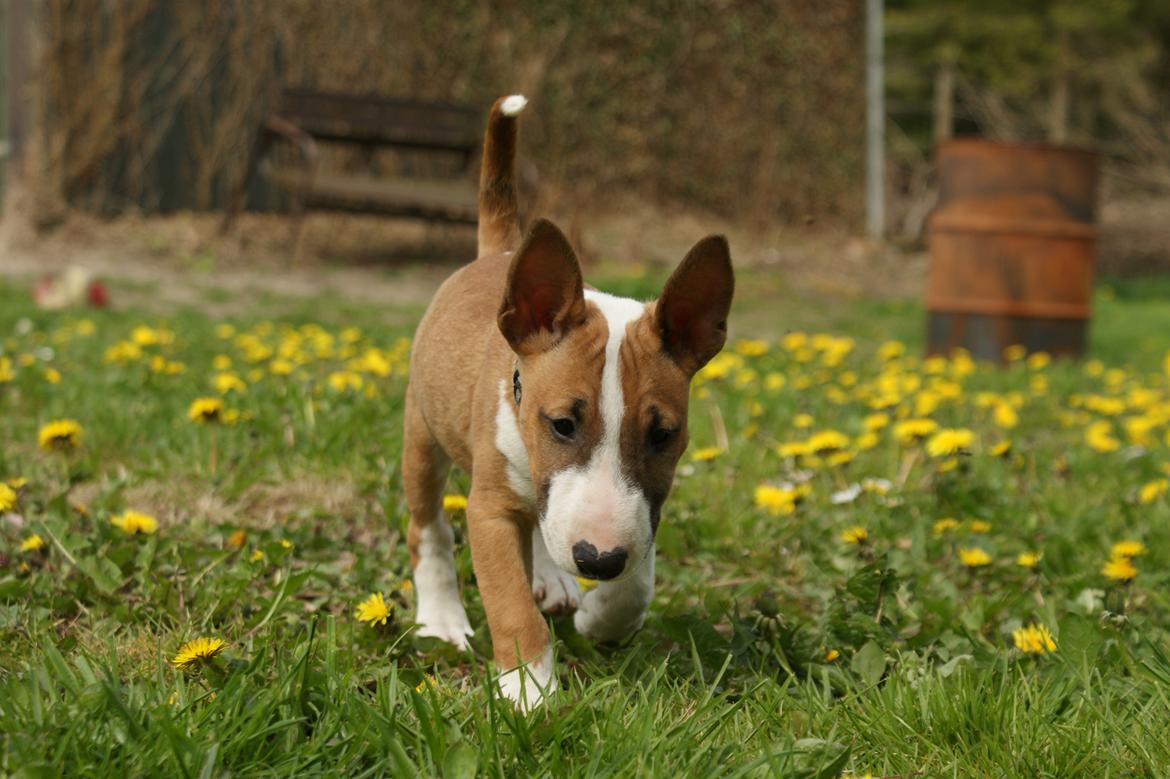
[{"x": 430, "y": 539}]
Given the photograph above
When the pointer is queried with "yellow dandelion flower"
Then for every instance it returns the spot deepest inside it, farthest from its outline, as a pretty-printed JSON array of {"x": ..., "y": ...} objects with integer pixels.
[
  {"x": 406, "y": 587},
  {"x": 774, "y": 381},
  {"x": 1127, "y": 549},
  {"x": 875, "y": 421},
  {"x": 286, "y": 544},
  {"x": 586, "y": 584},
  {"x": 123, "y": 352},
  {"x": 950, "y": 441},
  {"x": 454, "y": 504},
  {"x": 947, "y": 465},
  {"x": 33, "y": 543},
  {"x": 826, "y": 441},
  {"x": 132, "y": 522},
  {"x": 1028, "y": 559},
  {"x": 205, "y": 411},
  {"x": 373, "y": 610},
  {"x": 911, "y": 431},
  {"x": 1034, "y": 640},
  {"x": 7, "y": 497},
  {"x": 1153, "y": 490},
  {"x": 342, "y": 381},
  {"x": 837, "y": 459},
  {"x": 257, "y": 556},
  {"x": 1015, "y": 353},
  {"x": 1119, "y": 569},
  {"x": 1005, "y": 416},
  {"x": 1099, "y": 436},
  {"x": 854, "y": 535},
  {"x": 752, "y": 348},
  {"x": 720, "y": 367},
  {"x": 281, "y": 367},
  {"x": 979, "y": 526},
  {"x": 974, "y": 557},
  {"x": 794, "y": 340},
  {"x": 866, "y": 441},
  {"x": 60, "y": 435},
  {"x": 793, "y": 449},
  {"x": 706, "y": 454},
  {"x": 198, "y": 651},
  {"x": 1038, "y": 361},
  {"x": 891, "y": 350},
  {"x": 237, "y": 539},
  {"x": 228, "y": 382},
  {"x": 1001, "y": 449},
  {"x": 831, "y": 655},
  {"x": 428, "y": 682},
  {"x": 144, "y": 335},
  {"x": 776, "y": 500},
  {"x": 945, "y": 525},
  {"x": 803, "y": 421}
]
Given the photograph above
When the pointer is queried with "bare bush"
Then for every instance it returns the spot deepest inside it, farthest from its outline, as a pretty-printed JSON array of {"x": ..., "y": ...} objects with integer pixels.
[{"x": 744, "y": 107}]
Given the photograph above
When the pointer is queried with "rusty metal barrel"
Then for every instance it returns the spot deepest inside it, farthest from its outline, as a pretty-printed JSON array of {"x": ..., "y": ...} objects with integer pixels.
[{"x": 1012, "y": 248}]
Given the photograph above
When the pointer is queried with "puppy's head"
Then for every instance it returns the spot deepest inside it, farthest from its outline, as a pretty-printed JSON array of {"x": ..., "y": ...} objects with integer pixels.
[{"x": 603, "y": 384}]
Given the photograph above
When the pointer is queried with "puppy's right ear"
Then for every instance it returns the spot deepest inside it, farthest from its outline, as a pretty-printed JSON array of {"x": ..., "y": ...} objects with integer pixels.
[{"x": 544, "y": 297}]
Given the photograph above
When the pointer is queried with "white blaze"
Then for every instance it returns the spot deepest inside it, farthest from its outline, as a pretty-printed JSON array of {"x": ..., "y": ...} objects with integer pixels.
[{"x": 595, "y": 503}]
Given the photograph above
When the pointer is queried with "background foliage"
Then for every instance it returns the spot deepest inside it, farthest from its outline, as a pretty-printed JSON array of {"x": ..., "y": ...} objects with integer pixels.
[{"x": 728, "y": 106}]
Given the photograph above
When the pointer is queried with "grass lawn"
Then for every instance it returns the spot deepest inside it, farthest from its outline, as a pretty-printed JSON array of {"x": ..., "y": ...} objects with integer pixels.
[{"x": 843, "y": 589}]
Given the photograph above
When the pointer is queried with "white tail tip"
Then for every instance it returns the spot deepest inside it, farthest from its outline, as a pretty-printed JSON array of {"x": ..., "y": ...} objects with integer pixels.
[{"x": 513, "y": 104}]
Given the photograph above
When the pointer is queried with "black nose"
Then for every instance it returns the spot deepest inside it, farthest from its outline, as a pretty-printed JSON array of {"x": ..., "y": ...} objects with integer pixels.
[{"x": 605, "y": 565}]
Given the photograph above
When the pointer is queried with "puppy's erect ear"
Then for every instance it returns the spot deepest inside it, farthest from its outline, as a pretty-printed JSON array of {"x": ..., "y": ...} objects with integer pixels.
[
  {"x": 544, "y": 296},
  {"x": 692, "y": 311}
]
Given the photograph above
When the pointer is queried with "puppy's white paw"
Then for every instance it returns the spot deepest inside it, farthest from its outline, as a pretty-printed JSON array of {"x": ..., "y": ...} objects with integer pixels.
[
  {"x": 606, "y": 619},
  {"x": 556, "y": 592},
  {"x": 447, "y": 622},
  {"x": 528, "y": 685}
]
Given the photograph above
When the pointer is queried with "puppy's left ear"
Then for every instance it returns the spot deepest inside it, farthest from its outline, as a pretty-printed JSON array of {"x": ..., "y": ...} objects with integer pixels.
[
  {"x": 544, "y": 297},
  {"x": 692, "y": 311}
]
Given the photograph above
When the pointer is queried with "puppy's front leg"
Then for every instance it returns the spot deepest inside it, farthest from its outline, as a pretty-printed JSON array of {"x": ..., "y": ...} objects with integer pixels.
[
  {"x": 613, "y": 611},
  {"x": 501, "y": 552}
]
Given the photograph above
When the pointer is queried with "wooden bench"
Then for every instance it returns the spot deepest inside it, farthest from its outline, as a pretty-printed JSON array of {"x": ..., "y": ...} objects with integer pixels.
[{"x": 306, "y": 118}]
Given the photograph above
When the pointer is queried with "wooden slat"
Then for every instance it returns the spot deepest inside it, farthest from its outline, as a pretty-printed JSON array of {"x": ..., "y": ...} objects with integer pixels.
[
  {"x": 382, "y": 121},
  {"x": 447, "y": 199}
]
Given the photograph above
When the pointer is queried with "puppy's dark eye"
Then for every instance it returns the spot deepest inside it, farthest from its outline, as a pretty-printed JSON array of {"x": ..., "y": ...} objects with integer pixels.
[
  {"x": 658, "y": 437},
  {"x": 564, "y": 428}
]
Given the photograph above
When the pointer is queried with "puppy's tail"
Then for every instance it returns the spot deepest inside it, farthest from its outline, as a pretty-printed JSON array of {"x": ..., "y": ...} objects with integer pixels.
[{"x": 499, "y": 221}]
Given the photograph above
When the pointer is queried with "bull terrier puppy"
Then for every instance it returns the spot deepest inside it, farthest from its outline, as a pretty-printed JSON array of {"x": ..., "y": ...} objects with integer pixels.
[{"x": 568, "y": 408}]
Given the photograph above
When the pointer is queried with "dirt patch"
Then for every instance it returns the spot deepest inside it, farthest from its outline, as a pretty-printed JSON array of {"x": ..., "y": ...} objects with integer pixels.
[
  {"x": 260, "y": 507},
  {"x": 182, "y": 260}
]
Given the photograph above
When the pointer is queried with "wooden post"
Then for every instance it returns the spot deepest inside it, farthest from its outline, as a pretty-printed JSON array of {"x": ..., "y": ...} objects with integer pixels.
[
  {"x": 875, "y": 115},
  {"x": 944, "y": 102},
  {"x": 1058, "y": 107}
]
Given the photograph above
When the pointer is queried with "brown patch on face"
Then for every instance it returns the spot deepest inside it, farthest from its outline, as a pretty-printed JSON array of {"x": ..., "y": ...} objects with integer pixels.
[
  {"x": 654, "y": 430},
  {"x": 563, "y": 383}
]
